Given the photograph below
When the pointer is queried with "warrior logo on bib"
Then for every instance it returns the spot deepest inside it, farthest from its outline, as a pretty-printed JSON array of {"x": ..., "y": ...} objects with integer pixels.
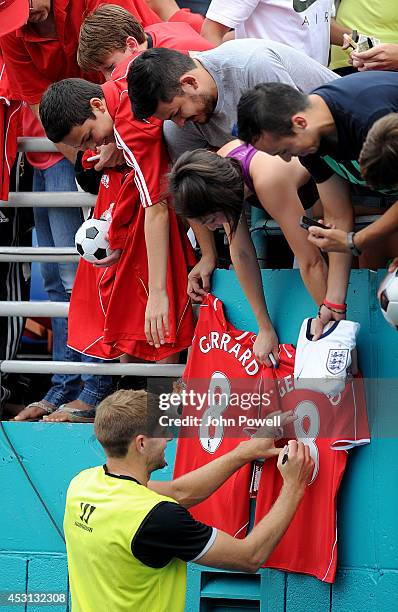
[{"x": 337, "y": 360}]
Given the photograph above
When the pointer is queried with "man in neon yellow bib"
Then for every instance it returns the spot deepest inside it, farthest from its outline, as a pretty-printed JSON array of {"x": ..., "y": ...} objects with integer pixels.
[{"x": 128, "y": 540}]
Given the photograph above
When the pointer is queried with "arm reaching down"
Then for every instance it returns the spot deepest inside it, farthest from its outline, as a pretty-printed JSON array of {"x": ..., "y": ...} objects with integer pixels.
[
  {"x": 157, "y": 244},
  {"x": 335, "y": 196},
  {"x": 199, "y": 278},
  {"x": 244, "y": 259}
]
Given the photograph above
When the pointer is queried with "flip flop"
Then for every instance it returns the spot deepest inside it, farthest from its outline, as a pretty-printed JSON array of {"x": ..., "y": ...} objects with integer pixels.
[{"x": 76, "y": 416}]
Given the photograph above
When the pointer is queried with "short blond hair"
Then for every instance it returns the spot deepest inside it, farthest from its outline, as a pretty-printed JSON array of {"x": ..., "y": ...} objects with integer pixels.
[
  {"x": 121, "y": 417},
  {"x": 105, "y": 31}
]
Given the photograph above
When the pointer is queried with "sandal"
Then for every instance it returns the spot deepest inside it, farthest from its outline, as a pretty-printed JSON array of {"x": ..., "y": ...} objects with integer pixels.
[{"x": 75, "y": 415}]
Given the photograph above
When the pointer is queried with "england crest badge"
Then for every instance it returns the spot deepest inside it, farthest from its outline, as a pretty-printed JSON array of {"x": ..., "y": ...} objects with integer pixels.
[{"x": 337, "y": 361}]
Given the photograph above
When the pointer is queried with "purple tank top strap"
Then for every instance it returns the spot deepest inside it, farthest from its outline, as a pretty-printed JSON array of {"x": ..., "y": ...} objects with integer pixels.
[{"x": 244, "y": 153}]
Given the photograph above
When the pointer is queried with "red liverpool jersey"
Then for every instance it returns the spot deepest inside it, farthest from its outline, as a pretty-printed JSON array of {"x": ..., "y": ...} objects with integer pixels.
[
  {"x": 146, "y": 155},
  {"x": 93, "y": 287},
  {"x": 221, "y": 367},
  {"x": 329, "y": 426}
]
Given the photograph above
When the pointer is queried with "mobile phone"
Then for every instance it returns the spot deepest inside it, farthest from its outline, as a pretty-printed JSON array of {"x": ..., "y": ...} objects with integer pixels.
[{"x": 306, "y": 223}]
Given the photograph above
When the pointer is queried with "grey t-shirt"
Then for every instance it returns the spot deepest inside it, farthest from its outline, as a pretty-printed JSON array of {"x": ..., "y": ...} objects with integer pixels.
[{"x": 236, "y": 66}]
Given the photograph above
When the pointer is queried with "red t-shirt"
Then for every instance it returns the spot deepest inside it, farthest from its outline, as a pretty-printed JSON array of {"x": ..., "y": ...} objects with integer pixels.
[
  {"x": 329, "y": 426},
  {"x": 178, "y": 36},
  {"x": 146, "y": 155},
  {"x": 34, "y": 62},
  {"x": 144, "y": 151},
  {"x": 195, "y": 20},
  {"x": 221, "y": 361},
  {"x": 92, "y": 289}
]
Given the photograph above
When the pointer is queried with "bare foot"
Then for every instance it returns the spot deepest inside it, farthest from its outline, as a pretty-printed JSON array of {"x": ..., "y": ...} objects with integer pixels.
[{"x": 35, "y": 411}]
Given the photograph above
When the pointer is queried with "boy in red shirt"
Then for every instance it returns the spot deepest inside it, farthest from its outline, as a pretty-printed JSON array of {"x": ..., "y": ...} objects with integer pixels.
[
  {"x": 39, "y": 42},
  {"x": 111, "y": 34},
  {"x": 149, "y": 315}
]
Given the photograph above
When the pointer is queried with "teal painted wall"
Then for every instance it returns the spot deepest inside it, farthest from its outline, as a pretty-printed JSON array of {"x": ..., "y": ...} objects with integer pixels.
[{"x": 32, "y": 553}]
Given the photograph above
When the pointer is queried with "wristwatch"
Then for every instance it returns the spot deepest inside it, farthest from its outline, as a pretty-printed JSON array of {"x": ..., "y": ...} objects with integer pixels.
[{"x": 351, "y": 244}]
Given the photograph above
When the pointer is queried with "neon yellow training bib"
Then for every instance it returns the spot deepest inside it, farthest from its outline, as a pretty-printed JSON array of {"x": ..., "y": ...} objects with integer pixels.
[{"x": 102, "y": 515}]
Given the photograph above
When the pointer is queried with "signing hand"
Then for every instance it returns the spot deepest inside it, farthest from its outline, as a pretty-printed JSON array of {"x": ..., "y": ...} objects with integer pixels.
[
  {"x": 266, "y": 343},
  {"x": 298, "y": 469},
  {"x": 262, "y": 442},
  {"x": 157, "y": 318},
  {"x": 111, "y": 260},
  {"x": 110, "y": 156},
  {"x": 199, "y": 278}
]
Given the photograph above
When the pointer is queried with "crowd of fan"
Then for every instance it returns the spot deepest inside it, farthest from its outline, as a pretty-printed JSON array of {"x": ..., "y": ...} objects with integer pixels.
[{"x": 198, "y": 118}]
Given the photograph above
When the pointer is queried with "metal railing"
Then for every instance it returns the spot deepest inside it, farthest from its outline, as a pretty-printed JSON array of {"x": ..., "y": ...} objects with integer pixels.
[
  {"x": 151, "y": 370},
  {"x": 34, "y": 309},
  {"x": 39, "y": 199},
  {"x": 36, "y": 145},
  {"x": 47, "y": 254},
  {"x": 63, "y": 199},
  {"x": 272, "y": 228}
]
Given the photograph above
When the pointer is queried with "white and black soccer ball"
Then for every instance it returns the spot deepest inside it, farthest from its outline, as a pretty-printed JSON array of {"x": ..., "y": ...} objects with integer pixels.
[
  {"x": 91, "y": 242},
  {"x": 388, "y": 298}
]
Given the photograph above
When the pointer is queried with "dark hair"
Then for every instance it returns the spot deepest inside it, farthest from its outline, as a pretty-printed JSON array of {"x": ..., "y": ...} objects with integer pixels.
[
  {"x": 202, "y": 183},
  {"x": 154, "y": 77},
  {"x": 379, "y": 155},
  {"x": 66, "y": 104},
  {"x": 269, "y": 107}
]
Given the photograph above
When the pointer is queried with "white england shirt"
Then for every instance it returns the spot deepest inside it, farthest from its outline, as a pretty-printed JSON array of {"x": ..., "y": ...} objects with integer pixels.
[{"x": 322, "y": 365}]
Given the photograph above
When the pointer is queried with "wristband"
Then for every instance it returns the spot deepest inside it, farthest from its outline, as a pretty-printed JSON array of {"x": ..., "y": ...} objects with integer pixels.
[
  {"x": 340, "y": 312},
  {"x": 351, "y": 244},
  {"x": 328, "y": 304}
]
